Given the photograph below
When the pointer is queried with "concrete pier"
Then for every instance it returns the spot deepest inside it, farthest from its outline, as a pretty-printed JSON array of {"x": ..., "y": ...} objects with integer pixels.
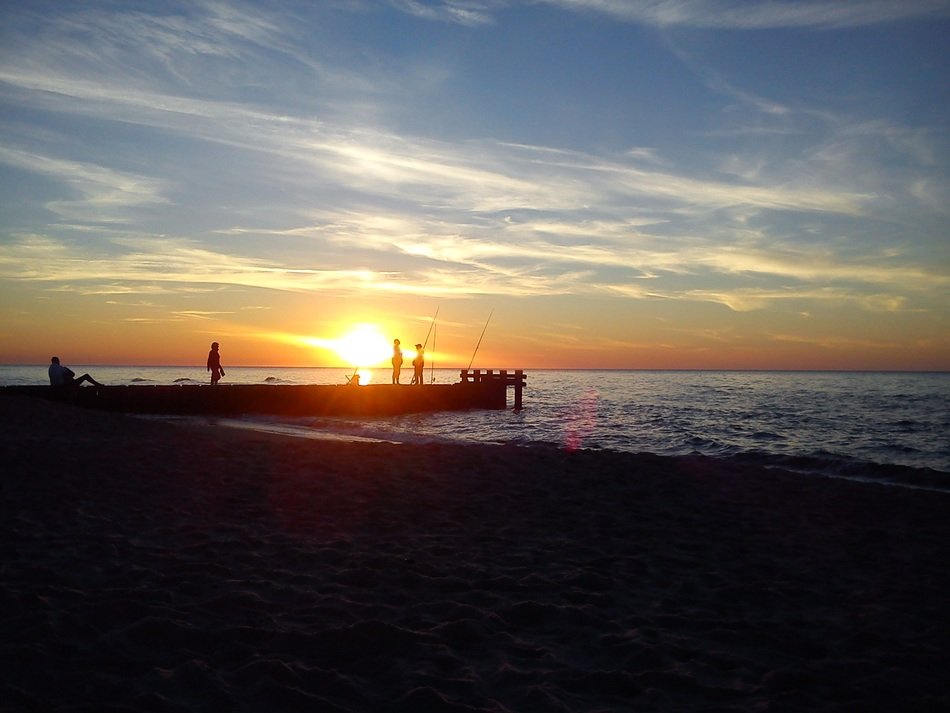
[{"x": 476, "y": 390}]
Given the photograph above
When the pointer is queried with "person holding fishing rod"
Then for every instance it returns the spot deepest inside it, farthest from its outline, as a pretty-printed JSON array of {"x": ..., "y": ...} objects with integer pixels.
[{"x": 418, "y": 364}]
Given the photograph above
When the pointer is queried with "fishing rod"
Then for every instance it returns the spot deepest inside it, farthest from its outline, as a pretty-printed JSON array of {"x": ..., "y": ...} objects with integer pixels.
[
  {"x": 431, "y": 325},
  {"x": 432, "y": 363},
  {"x": 480, "y": 338}
]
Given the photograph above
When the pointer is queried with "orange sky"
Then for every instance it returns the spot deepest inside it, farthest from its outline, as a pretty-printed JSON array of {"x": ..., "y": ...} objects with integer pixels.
[{"x": 299, "y": 330}]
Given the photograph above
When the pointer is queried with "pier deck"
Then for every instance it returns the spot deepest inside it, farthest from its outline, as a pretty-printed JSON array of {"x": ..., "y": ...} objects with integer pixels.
[{"x": 476, "y": 390}]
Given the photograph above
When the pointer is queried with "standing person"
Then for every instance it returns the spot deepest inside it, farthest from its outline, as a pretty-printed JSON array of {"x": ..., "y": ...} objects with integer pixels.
[
  {"x": 60, "y": 375},
  {"x": 214, "y": 364},
  {"x": 397, "y": 361},
  {"x": 417, "y": 364}
]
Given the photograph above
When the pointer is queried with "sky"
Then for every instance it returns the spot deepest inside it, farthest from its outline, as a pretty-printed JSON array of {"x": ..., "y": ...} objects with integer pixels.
[{"x": 656, "y": 184}]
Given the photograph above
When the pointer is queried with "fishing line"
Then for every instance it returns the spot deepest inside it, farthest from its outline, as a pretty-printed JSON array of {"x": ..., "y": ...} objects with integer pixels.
[
  {"x": 431, "y": 324},
  {"x": 435, "y": 334},
  {"x": 480, "y": 338}
]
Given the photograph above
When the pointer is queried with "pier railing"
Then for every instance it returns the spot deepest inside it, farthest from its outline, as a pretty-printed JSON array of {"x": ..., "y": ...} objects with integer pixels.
[{"x": 514, "y": 378}]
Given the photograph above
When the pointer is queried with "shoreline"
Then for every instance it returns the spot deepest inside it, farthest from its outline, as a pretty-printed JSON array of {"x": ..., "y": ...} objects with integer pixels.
[
  {"x": 165, "y": 566},
  {"x": 914, "y": 478}
]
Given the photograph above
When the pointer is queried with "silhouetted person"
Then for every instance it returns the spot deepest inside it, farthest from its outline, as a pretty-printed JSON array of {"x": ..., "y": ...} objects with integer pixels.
[
  {"x": 214, "y": 364},
  {"x": 397, "y": 361},
  {"x": 60, "y": 375},
  {"x": 417, "y": 364}
]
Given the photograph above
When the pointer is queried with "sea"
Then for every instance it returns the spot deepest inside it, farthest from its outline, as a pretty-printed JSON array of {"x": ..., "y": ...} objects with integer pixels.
[{"x": 883, "y": 427}]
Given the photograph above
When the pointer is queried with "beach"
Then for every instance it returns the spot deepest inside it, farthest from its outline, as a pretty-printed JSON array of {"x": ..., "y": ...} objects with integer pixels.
[{"x": 156, "y": 566}]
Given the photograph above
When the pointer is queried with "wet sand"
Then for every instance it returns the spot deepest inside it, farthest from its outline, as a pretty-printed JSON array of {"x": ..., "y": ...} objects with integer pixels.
[{"x": 149, "y": 566}]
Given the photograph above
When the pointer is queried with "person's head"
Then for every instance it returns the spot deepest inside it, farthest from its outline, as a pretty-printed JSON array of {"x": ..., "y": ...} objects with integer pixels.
[
  {"x": 214, "y": 345},
  {"x": 418, "y": 346},
  {"x": 55, "y": 360},
  {"x": 395, "y": 342}
]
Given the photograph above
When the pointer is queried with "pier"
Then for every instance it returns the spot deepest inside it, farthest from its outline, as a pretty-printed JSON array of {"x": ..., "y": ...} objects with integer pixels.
[
  {"x": 476, "y": 389},
  {"x": 514, "y": 378}
]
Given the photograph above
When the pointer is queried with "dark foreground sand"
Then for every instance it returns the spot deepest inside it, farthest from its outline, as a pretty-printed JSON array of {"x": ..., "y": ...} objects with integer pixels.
[{"x": 146, "y": 566}]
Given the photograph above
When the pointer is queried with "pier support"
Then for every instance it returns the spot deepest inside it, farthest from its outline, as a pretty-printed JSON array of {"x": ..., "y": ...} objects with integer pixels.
[{"x": 502, "y": 377}]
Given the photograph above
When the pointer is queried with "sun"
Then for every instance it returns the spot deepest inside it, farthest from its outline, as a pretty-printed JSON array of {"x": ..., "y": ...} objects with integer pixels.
[{"x": 364, "y": 345}]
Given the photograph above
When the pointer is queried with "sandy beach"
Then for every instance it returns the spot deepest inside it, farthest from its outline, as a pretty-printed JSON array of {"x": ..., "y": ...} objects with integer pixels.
[{"x": 151, "y": 566}]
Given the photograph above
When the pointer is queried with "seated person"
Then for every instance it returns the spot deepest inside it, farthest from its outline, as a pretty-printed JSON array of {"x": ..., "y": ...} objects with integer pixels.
[{"x": 60, "y": 375}]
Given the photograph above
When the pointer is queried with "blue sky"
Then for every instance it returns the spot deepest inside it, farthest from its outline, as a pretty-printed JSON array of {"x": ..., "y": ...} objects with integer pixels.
[{"x": 628, "y": 184}]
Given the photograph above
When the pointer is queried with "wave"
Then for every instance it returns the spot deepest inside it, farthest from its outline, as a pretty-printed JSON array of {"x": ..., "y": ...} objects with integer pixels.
[
  {"x": 838, "y": 466},
  {"x": 819, "y": 463}
]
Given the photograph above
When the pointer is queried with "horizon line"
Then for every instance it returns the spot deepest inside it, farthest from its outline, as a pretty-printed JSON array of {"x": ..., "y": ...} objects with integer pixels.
[{"x": 539, "y": 368}]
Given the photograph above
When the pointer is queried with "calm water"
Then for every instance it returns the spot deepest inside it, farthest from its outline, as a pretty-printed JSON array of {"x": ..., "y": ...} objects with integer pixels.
[{"x": 880, "y": 426}]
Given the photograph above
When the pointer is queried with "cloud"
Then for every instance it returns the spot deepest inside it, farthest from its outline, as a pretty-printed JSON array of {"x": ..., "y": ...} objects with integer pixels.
[
  {"x": 743, "y": 15},
  {"x": 199, "y": 314},
  {"x": 477, "y": 176},
  {"x": 481, "y": 176},
  {"x": 841, "y": 342},
  {"x": 461, "y": 12},
  {"x": 751, "y": 299},
  {"x": 700, "y": 14},
  {"x": 165, "y": 261},
  {"x": 100, "y": 192},
  {"x": 811, "y": 266},
  {"x": 326, "y": 202}
]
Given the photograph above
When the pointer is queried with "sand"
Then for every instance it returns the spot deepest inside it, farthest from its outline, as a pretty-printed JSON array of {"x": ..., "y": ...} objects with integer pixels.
[{"x": 150, "y": 566}]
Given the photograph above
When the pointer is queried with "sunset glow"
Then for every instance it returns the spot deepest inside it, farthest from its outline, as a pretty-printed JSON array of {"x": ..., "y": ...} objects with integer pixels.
[
  {"x": 632, "y": 192},
  {"x": 365, "y": 345}
]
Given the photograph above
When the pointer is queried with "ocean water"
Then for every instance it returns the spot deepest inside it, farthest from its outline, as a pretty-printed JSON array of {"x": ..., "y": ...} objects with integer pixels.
[{"x": 887, "y": 427}]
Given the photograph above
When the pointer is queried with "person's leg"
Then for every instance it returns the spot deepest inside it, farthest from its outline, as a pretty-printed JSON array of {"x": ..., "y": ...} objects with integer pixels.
[{"x": 85, "y": 377}]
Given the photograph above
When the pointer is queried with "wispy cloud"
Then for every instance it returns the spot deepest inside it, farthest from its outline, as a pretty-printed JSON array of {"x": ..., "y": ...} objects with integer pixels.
[
  {"x": 462, "y": 12},
  {"x": 704, "y": 14},
  {"x": 100, "y": 192},
  {"x": 480, "y": 176},
  {"x": 735, "y": 14}
]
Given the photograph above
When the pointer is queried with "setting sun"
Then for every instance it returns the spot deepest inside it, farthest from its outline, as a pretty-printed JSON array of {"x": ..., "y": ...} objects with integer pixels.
[{"x": 364, "y": 345}]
